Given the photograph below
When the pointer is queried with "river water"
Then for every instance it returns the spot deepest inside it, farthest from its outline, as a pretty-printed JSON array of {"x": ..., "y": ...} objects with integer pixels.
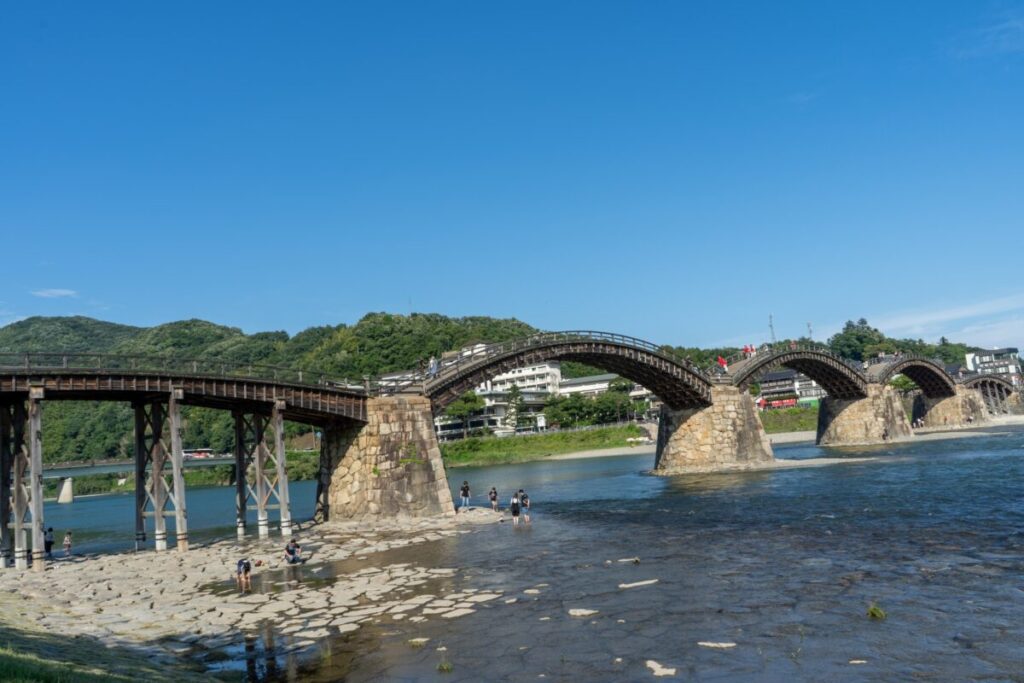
[{"x": 784, "y": 564}]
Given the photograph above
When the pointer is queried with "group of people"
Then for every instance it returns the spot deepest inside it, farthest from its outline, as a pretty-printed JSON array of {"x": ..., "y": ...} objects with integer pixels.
[
  {"x": 519, "y": 505},
  {"x": 243, "y": 568},
  {"x": 48, "y": 543}
]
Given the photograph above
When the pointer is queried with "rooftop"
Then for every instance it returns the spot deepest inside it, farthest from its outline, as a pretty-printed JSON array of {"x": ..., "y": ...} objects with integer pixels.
[{"x": 592, "y": 379}]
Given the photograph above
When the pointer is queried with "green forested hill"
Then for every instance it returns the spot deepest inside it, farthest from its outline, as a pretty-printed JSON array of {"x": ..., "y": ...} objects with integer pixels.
[
  {"x": 68, "y": 334},
  {"x": 379, "y": 342}
]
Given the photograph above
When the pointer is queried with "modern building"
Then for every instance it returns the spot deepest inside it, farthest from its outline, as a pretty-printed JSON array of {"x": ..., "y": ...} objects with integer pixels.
[
  {"x": 786, "y": 388},
  {"x": 595, "y": 385},
  {"x": 536, "y": 383},
  {"x": 1004, "y": 362}
]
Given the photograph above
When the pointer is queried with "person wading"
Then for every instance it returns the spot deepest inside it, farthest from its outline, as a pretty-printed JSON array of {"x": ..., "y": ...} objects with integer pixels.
[
  {"x": 513, "y": 507},
  {"x": 524, "y": 502},
  {"x": 493, "y": 496}
]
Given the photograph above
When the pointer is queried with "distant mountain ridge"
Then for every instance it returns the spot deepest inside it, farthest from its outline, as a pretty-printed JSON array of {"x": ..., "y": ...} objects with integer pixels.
[{"x": 379, "y": 342}]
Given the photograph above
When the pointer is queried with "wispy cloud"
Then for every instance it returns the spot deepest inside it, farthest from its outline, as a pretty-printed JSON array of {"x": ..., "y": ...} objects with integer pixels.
[
  {"x": 55, "y": 293},
  {"x": 1002, "y": 37},
  {"x": 923, "y": 322}
]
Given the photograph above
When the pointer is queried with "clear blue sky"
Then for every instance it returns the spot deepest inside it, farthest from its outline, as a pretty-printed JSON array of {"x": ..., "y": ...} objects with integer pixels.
[{"x": 672, "y": 170}]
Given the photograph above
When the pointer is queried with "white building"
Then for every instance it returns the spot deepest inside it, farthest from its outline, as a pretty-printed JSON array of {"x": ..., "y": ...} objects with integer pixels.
[
  {"x": 536, "y": 383},
  {"x": 594, "y": 385},
  {"x": 1003, "y": 362}
]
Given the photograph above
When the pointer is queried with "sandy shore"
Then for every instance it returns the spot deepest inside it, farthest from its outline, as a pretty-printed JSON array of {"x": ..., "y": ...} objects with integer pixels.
[{"x": 165, "y": 606}]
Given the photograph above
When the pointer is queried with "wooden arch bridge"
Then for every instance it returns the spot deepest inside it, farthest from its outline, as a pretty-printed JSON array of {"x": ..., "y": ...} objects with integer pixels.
[{"x": 380, "y": 422}]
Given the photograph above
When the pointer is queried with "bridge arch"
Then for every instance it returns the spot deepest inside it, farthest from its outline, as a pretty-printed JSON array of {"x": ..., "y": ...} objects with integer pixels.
[
  {"x": 678, "y": 383},
  {"x": 838, "y": 377},
  {"x": 993, "y": 380},
  {"x": 927, "y": 373}
]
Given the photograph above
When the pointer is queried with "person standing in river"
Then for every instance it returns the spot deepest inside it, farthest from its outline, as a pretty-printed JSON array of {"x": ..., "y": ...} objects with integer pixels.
[
  {"x": 524, "y": 503},
  {"x": 464, "y": 492},
  {"x": 513, "y": 506},
  {"x": 48, "y": 543},
  {"x": 493, "y": 496}
]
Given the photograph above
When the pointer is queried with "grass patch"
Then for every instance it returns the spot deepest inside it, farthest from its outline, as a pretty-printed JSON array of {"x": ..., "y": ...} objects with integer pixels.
[
  {"x": 790, "y": 420},
  {"x": 495, "y": 451}
]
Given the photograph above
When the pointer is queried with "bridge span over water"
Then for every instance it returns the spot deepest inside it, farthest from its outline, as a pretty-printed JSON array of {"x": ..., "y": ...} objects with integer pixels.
[{"x": 379, "y": 454}]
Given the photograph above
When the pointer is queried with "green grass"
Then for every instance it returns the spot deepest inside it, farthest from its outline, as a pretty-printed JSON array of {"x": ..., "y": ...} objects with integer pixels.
[
  {"x": 790, "y": 420},
  {"x": 496, "y": 451}
]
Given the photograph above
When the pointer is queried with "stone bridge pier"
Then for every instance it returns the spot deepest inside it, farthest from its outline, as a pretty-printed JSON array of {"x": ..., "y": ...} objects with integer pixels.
[
  {"x": 951, "y": 411},
  {"x": 878, "y": 418},
  {"x": 725, "y": 435},
  {"x": 389, "y": 467}
]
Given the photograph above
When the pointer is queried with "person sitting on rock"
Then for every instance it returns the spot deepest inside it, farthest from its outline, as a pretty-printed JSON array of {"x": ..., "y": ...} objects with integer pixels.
[{"x": 292, "y": 553}]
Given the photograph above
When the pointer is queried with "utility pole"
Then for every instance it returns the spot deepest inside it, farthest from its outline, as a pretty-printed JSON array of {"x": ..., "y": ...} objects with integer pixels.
[
  {"x": 810, "y": 332},
  {"x": 771, "y": 327}
]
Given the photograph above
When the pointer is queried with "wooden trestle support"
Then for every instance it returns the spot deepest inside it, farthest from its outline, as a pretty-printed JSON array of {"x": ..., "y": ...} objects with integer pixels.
[
  {"x": 159, "y": 479},
  {"x": 21, "y": 481},
  {"x": 260, "y": 472}
]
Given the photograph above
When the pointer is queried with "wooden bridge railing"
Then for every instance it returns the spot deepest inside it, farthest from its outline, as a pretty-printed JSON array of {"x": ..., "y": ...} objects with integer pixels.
[{"x": 210, "y": 367}]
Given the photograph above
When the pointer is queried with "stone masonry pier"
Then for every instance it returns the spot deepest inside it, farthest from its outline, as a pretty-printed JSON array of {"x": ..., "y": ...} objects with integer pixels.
[
  {"x": 951, "y": 411},
  {"x": 725, "y": 435},
  {"x": 388, "y": 467},
  {"x": 856, "y": 422}
]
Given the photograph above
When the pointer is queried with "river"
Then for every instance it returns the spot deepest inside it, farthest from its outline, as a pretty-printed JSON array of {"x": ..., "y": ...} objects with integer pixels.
[{"x": 781, "y": 563}]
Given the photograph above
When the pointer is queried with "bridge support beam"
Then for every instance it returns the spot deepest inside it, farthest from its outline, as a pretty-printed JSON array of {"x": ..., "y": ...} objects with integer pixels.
[
  {"x": 726, "y": 435},
  {"x": 6, "y": 466},
  {"x": 159, "y": 479},
  {"x": 967, "y": 406},
  {"x": 389, "y": 467},
  {"x": 21, "y": 481},
  {"x": 879, "y": 418},
  {"x": 14, "y": 489},
  {"x": 261, "y": 472}
]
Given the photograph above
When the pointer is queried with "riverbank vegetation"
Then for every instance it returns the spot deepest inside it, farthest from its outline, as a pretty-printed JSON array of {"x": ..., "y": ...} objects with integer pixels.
[
  {"x": 491, "y": 450},
  {"x": 798, "y": 419}
]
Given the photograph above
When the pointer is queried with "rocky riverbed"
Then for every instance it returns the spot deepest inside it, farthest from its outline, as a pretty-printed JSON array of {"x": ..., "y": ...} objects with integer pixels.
[{"x": 172, "y": 606}]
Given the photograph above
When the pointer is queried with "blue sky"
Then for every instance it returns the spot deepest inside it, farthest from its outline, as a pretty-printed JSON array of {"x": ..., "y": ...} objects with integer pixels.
[{"x": 673, "y": 170}]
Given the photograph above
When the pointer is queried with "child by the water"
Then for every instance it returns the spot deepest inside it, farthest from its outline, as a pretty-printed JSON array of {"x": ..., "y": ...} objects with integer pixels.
[{"x": 67, "y": 544}]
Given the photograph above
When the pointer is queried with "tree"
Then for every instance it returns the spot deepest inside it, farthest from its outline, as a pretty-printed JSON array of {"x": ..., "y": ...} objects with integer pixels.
[
  {"x": 463, "y": 408},
  {"x": 514, "y": 412},
  {"x": 620, "y": 385},
  {"x": 854, "y": 338},
  {"x": 903, "y": 384}
]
